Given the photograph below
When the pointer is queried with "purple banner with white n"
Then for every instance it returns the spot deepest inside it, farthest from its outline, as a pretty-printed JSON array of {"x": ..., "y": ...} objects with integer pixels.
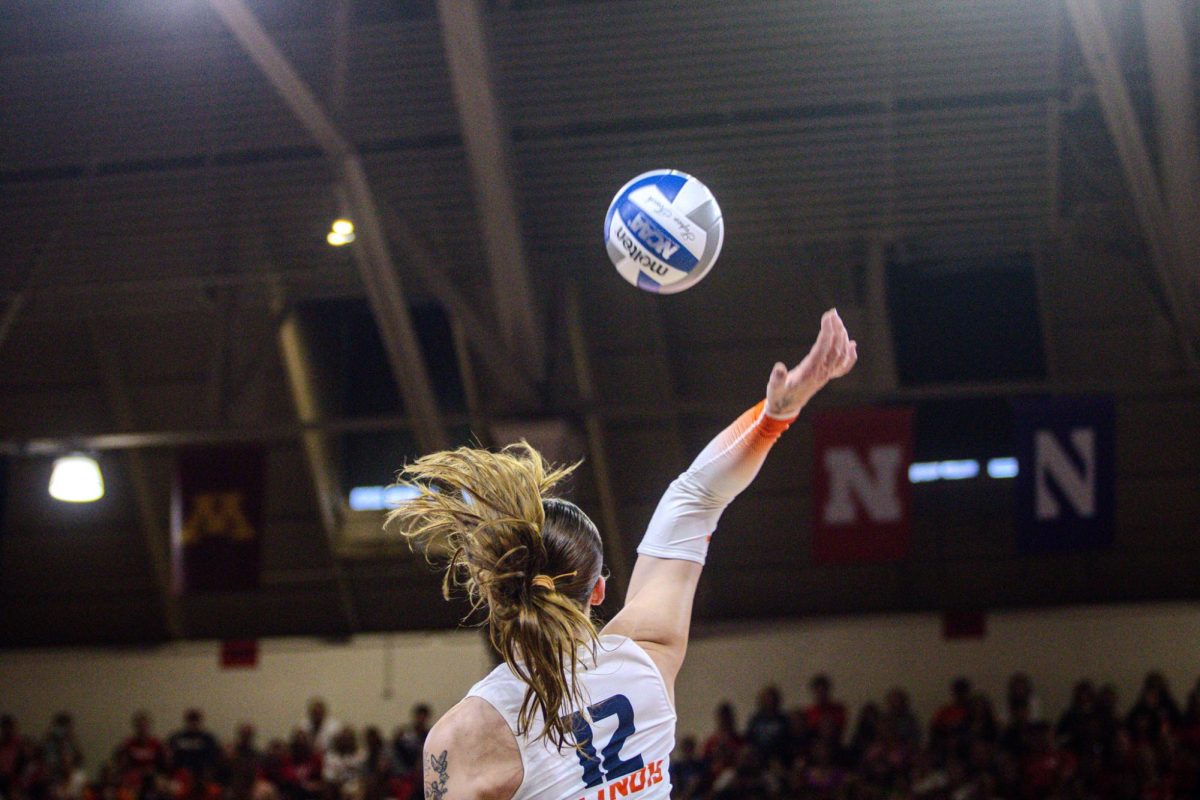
[{"x": 1064, "y": 490}]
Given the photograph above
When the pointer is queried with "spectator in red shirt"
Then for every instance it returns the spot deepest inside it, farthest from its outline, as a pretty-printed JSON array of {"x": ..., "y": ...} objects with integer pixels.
[
  {"x": 1046, "y": 768},
  {"x": 722, "y": 748},
  {"x": 277, "y": 768},
  {"x": 189, "y": 785},
  {"x": 825, "y": 717},
  {"x": 306, "y": 767},
  {"x": 142, "y": 753},
  {"x": 951, "y": 719},
  {"x": 725, "y": 736}
]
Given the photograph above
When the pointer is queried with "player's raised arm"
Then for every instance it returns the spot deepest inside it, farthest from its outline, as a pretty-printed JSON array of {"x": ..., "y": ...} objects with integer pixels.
[{"x": 658, "y": 606}]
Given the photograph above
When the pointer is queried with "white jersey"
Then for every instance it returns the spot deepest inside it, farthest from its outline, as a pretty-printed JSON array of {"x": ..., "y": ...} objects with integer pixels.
[{"x": 626, "y": 731}]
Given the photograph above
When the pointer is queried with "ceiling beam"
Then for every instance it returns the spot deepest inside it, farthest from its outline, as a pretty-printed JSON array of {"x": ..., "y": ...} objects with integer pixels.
[
  {"x": 88, "y": 290},
  {"x": 593, "y": 423},
  {"x": 507, "y": 375},
  {"x": 1126, "y": 132},
  {"x": 1178, "y": 133},
  {"x": 389, "y": 305},
  {"x": 41, "y": 257},
  {"x": 154, "y": 535},
  {"x": 131, "y": 439},
  {"x": 292, "y": 89},
  {"x": 489, "y": 153},
  {"x": 372, "y": 252},
  {"x": 318, "y": 452}
]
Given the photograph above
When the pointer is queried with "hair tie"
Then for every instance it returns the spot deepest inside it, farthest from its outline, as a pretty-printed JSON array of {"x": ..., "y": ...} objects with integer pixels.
[{"x": 547, "y": 582}]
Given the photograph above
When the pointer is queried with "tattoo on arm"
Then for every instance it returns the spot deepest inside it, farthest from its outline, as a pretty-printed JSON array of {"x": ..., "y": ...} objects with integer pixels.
[{"x": 435, "y": 787}]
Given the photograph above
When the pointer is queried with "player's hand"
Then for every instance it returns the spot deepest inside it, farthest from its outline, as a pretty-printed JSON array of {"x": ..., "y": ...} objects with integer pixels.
[{"x": 832, "y": 356}]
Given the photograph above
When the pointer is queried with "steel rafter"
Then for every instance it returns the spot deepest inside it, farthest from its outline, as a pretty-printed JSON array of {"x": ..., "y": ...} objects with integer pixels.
[
  {"x": 489, "y": 153},
  {"x": 372, "y": 252},
  {"x": 1117, "y": 108}
]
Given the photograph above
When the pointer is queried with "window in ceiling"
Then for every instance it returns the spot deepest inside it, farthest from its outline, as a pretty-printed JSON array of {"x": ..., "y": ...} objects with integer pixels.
[{"x": 965, "y": 320}]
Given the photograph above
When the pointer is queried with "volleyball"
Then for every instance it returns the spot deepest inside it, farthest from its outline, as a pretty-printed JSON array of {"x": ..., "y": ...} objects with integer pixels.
[{"x": 663, "y": 231}]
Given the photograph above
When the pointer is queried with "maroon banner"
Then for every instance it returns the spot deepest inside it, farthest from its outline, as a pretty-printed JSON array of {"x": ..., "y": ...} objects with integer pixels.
[
  {"x": 862, "y": 499},
  {"x": 239, "y": 654},
  {"x": 964, "y": 625},
  {"x": 217, "y": 515}
]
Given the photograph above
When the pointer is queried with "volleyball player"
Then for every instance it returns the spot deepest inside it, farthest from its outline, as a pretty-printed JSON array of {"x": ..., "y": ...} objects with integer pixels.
[{"x": 572, "y": 713}]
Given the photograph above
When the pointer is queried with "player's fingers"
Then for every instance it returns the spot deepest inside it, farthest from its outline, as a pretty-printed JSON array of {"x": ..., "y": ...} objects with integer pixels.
[
  {"x": 851, "y": 355},
  {"x": 837, "y": 352},
  {"x": 840, "y": 344},
  {"x": 849, "y": 359},
  {"x": 839, "y": 327},
  {"x": 825, "y": 337},
  {"x": 779, "y": 375}
]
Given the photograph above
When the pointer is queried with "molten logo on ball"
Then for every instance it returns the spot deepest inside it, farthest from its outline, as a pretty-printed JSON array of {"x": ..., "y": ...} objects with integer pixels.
[
  {"x": 664, "y": 231},
  {"x": 654, "y": 236}
]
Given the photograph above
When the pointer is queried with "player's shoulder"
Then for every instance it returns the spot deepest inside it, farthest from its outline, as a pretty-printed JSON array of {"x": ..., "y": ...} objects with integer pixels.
[
  {"x": 469, "y": 715},
  {"x": 620, "y": 640},
  {"x": 472, "y": 754}
]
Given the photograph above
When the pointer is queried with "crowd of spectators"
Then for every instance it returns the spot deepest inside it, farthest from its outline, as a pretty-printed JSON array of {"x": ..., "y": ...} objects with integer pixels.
[
  {"x": 322, "y": 760},
  {"x": 969, "y": 750}
]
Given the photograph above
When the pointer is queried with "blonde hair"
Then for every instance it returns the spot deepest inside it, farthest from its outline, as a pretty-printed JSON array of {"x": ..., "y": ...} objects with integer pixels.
[{"x": 526, "y": 560}]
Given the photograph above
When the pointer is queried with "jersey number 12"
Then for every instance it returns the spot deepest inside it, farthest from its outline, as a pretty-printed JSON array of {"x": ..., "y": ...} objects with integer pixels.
[{"x": 595, "y": 770}]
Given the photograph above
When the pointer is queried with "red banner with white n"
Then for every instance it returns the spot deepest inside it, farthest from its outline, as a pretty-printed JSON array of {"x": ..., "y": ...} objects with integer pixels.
[{"x": 862, "y": 499}]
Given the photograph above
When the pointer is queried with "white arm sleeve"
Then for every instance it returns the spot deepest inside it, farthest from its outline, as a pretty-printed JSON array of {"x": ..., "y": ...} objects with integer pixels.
[{"x": 689, "y": 511}]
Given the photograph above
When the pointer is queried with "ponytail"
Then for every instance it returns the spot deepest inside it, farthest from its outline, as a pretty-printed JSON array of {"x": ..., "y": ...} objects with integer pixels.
[{"x": 526, "y": 561}]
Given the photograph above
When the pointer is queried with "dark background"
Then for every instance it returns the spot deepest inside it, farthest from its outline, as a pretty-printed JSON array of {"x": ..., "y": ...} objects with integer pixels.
[{"x": 939, "y": 171}]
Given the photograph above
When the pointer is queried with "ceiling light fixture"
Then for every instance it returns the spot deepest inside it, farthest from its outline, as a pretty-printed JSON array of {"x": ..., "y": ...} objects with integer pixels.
[
  {"x": 342, "y": 233},
  {"x": 76, "y": 479}
]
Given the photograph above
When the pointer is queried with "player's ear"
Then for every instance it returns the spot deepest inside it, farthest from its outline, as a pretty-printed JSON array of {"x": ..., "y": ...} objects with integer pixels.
[{"x": 597, "y": 592}]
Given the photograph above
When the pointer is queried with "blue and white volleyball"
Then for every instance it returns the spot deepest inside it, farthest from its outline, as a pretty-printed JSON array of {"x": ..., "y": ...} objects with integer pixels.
[{"x": 664, "y": 231}]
